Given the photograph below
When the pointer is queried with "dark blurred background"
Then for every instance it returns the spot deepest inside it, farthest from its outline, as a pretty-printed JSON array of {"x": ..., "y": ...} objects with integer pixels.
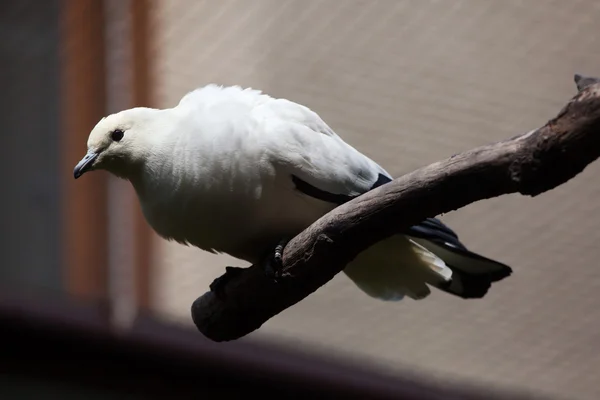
[{"x": 406, "y": 82}]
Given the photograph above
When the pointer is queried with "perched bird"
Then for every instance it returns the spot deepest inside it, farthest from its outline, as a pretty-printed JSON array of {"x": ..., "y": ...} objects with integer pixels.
[{"x": 236, "y": 171}]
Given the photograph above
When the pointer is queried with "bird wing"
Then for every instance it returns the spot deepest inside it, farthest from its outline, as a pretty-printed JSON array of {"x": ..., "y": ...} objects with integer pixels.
[{"x": 320, "y": 164}]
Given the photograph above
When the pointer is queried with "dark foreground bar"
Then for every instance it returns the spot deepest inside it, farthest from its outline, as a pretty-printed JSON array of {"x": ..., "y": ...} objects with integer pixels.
[{"x": 52, "y": 349}]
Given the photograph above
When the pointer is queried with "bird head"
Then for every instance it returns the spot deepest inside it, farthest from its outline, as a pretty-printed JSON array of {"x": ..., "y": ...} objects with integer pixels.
[{"x": 118, "y": 143}]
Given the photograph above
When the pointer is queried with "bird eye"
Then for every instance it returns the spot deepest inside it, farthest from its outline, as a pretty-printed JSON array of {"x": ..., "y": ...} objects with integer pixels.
[{"x": 117, "y": 135}]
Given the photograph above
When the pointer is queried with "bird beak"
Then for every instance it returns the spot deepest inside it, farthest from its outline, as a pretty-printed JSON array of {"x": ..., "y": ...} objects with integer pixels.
[{"x": 85, "y": 164}]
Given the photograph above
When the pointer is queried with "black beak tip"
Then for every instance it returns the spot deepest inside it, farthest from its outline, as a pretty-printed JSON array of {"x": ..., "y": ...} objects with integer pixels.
[{"x": 85, "y": 164}]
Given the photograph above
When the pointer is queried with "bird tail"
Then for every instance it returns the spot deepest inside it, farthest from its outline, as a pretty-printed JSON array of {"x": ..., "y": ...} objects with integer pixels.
[
  {"x": 406, "y": 266},
  {"x": 472, "y": 274}
]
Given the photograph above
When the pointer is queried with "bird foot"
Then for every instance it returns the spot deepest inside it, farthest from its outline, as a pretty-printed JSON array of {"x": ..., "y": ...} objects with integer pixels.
[
  {"x": 273, "y": 264},
  {"x": 218, "y": 285}
]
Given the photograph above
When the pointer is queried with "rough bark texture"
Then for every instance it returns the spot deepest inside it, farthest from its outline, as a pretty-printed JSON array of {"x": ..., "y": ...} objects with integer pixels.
[{"x": 529, "y": 164}]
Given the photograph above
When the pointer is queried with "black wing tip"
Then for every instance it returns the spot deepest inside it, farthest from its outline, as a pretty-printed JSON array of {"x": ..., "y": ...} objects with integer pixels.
[
  {"x": 467, "y": 286},
  {"x": 504, "y": 272},
  {"x": 434, "y": 230},
  {"x": 474, "y": 286},
  {"x": 475, "y": 289}
]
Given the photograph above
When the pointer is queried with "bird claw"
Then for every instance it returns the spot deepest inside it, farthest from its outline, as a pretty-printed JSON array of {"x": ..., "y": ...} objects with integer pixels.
[
  {"x": 218, "y": 285},
  {"x": 273, "y": 266}
]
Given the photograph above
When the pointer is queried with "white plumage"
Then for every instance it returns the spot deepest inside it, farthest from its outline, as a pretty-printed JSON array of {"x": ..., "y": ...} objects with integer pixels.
[{"x": 234, "y": 170}]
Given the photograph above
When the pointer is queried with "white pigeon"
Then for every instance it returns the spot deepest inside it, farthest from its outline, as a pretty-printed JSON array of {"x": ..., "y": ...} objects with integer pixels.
[{"x": 235, "y": 171}]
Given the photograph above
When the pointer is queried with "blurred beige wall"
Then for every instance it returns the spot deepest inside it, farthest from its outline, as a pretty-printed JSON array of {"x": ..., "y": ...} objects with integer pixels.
[{"x": 408, "y": 83}]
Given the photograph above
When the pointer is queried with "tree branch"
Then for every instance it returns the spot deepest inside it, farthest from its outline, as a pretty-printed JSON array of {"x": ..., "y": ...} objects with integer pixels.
[{"x": 529, "y": 164}]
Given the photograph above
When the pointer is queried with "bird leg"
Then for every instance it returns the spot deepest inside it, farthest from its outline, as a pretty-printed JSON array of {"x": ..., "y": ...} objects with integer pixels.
[
  {"x": 218, "y": 285},
  {"x": 273, "y": 264}
]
